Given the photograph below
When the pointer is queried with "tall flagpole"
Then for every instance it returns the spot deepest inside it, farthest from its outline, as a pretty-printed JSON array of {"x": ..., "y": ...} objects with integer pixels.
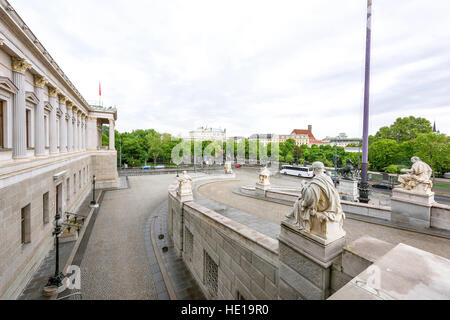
[{"x": 364, "y": 187}]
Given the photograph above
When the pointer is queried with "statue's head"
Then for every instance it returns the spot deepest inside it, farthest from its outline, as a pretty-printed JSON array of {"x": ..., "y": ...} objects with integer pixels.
[
  {"x": 318, "y": 167},
  {"x": 415, "y": 159}
]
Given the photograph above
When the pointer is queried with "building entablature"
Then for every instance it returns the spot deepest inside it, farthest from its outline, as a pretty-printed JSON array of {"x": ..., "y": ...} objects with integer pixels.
[{"x": 28, "y": 54}]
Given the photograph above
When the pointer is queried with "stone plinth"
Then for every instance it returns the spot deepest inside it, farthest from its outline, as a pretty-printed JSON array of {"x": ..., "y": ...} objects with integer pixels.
[
  {"x": 185, "y": 194},
  {"x": 412, "y": 208},
  {"x": 184, "y": 190},
  {"x": 348, "y": 189},
  {"x": 261, "y": 189},
  {"x": 305, "y": 262}
]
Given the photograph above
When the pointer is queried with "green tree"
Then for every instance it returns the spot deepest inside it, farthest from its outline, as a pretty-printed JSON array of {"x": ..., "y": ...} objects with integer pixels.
[
  {"x": 434, "y": 149},
  {"x": 383, "y": 153},
  {"x": 405, "y": 129},
  {"x": 155, "y": 145},
  {"x": 289, "y": 158}
]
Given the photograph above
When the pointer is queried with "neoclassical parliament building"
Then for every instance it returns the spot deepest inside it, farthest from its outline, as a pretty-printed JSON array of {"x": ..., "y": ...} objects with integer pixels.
[{"x": 50, "y": 148}]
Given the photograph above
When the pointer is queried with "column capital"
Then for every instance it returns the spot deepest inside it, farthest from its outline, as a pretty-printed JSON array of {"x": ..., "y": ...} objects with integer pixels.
[
  {"x": 62, "y": 99},
  {"x": 52, "y": 92},
  {"x": 40, "y": 81},
  {"x": 1, "y": 41},
  {"x": 69, "y": 105},
  {"x": 20, "y": 65}
]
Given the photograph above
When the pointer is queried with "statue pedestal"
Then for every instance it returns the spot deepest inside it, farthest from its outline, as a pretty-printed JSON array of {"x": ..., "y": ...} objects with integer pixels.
[
  {"x": 261, "y": 189},
  {"x": 348, "y": 190},
  {"x": 411, "y": 208},
  {"x": 185, "y": 194},
  {"x": 305, "y": 262}
]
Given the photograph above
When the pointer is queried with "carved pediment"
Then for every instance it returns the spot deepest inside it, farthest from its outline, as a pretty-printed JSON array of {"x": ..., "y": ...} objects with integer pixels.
[
  {"x": 48, "y": 106},
  {"x": 8, "y": 85},
  {"x": 31, "y": 98}
]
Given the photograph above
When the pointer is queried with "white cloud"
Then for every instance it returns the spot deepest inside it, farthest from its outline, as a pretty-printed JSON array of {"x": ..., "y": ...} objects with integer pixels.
[{"x": 251, "y": 66}]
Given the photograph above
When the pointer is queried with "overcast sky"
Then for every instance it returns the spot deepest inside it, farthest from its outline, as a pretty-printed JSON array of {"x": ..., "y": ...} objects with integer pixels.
[{"x": 251, "y": 66}]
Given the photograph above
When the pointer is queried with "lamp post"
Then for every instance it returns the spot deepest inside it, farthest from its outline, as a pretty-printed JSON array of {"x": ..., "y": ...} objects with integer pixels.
[
  {"x": 56, "y": 280},
  {"x": 94, "y": 203},
  {"x": 120, "y": 141},
  {"x": 335, "y": 166}
]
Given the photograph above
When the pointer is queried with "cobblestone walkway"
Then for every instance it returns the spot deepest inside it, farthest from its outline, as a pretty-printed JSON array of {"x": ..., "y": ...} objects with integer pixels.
[{"x": 118, "y": 263}]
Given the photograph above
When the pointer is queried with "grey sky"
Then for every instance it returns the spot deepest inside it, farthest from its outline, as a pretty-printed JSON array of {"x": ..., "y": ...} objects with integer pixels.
[{"x": 251, "y": 66}]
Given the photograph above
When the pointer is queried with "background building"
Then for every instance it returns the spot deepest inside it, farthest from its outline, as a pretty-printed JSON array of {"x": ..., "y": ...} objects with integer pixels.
[
  {"x": 264, "y": 138},
  {"x": 208, "y": 134},
  {"x": 50, "y": 147},
  {"x": 341, "y": 140},
  {"x": 301, "y": 137}
]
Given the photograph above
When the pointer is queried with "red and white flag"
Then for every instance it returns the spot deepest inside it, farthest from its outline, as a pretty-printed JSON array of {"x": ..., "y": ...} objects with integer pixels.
[{"x": 100, "y": 89}]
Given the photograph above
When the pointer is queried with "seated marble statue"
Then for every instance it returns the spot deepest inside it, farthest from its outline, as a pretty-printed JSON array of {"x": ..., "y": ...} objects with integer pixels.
[
  {"x": 418, "y": 176},
  {"x": 318, "y": 210}
]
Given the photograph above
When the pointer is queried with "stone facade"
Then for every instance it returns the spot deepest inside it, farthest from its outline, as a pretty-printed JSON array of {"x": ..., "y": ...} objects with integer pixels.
[
  {"x": 247, "y": 261},
  {"x": 47, "y": 154},
  {"x": 36, "y": 189}
]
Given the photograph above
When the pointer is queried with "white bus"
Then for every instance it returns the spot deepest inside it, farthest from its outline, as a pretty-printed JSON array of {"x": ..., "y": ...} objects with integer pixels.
[{"x": 297, "y": 171}]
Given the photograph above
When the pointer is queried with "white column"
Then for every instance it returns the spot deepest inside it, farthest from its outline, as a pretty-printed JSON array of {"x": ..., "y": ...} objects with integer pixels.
[
  {"x": 53, "y": 100},
  {"x": 78, "y": 119},
  {"x": 111, "y": 135},
  {"x": 19, "y": 67},
  {"x": 39, "y": 140},
  {"x": 70, "y": 128},
  {"x": 75, "y": 136},
  {"x": 80, "y": 140},
  {"x": 91, "y": 133},
  {"x": 63, "y": 125},
  {"x": 83, "y": 132}
]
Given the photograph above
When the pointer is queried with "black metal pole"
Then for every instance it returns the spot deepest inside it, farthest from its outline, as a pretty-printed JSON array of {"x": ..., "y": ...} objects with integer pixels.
[
  {"x": 57, "y": 257},
  {"x": 364, "y": 187},
  {"x": 56, "y": 280},
  {"x": 93, "y": 202}
]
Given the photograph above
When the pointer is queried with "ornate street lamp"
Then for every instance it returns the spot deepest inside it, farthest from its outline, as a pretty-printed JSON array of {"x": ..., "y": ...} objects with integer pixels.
[
  {"x": 56, "y": 280},
  {"x": 94, "y": 203}
]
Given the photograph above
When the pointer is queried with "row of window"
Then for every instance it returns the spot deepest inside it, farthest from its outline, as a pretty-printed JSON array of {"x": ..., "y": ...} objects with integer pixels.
[
  {"x": 29, "y": 133},
  {"x": 83, "y": 179}
]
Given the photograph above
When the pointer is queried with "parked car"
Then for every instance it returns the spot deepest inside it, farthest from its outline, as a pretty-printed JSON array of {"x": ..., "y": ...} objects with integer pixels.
[
  {"x": 146, "y": 167},
  {"x": 382, "y": 185},
  {"x": 239, "y": 166},
  {"x": 160, "y": 167}
]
